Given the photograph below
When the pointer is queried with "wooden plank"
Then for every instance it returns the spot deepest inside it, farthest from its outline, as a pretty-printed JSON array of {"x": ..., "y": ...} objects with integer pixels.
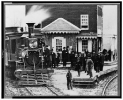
[
  {"x": 18, "y": 73},
  {"x": 32, "y": 83},
  {"x": 43, "y": 71},
  {"x": 34, "y": 78},
  {"x": 32, "y": 75},
  {"x": 83, "y": 81},
  {"x": 83, "y": 84}
]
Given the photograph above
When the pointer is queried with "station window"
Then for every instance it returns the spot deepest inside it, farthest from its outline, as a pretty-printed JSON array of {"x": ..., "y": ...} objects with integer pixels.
[
  {"x": 84, "y": 45},
  {"x": 84, "y": 25},
  {"x": 59, "y": 44}
]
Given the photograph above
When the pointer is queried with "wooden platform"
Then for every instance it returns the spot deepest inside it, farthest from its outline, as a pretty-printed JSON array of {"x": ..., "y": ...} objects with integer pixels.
[{"x": 83, "y": 81}]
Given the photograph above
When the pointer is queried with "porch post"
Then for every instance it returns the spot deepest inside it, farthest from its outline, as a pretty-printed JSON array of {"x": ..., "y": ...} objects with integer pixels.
[
  {"x": 97, "y": 46},
  {"x": 77, "y": 45}
]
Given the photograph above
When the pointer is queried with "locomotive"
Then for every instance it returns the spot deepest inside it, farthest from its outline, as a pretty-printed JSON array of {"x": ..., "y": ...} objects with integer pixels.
[{"x": 30, "y": 69}]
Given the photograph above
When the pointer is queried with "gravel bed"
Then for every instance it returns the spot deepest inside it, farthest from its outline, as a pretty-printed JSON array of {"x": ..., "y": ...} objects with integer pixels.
[
  {"x": 40, "y": 91},
  {"x": 10, "y": 90}
]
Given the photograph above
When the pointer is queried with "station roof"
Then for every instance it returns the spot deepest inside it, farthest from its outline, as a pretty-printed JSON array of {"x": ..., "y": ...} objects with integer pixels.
[{"x": 60, "y": 25}]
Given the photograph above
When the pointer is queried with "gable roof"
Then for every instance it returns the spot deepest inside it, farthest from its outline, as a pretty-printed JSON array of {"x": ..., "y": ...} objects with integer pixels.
[{"x": 60, "y": 25}]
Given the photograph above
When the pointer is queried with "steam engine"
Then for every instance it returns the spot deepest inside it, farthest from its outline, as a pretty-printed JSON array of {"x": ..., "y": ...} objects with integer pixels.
[{"x": 30, "y": 69}]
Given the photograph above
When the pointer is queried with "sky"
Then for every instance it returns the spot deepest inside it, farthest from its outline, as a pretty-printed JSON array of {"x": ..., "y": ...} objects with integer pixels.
[
  {"x": 110, "y": 19},
  {"x": 14, "y": 16}
]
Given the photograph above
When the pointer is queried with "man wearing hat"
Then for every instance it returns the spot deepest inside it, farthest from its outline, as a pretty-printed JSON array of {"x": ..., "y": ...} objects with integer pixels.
[
  {"x": 94, "y": 60},
  {"x": 98, "y": 62},
  {"x": 101, "y": 61},
  {"x": 89, "y": 65},
  {"x": 47, "y": 57},
  {"x": 69, "y": 79},
  {"x": 64, "y": 56}
]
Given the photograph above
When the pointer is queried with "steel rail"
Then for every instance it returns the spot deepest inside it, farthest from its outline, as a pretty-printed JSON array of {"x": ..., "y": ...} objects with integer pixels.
[
  {"x": 29, "y": 91},
  {"x": 107, "y": 84},
  {"x": 54, "y": 92}
]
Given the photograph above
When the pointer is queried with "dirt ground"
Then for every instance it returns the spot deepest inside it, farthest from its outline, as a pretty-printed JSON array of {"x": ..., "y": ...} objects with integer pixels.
[{"x": 59, "y": 81}]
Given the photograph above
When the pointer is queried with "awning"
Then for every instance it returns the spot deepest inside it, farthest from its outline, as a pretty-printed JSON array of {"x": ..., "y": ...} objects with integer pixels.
[
  {"x": 86, "y": 37},
  {"x": 63, "y": 32}
]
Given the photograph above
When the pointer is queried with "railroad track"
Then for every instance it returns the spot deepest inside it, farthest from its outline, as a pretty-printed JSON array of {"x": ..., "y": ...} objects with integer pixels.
[
  {"x": 39, "y": 91},
  {"x": 106, "y": 87},
  {"x": 9, "y": 92},
  {"x": 25, "y": 91},
  {"x": 55, "y": 91},
  {"x": 44, "y": 91}
]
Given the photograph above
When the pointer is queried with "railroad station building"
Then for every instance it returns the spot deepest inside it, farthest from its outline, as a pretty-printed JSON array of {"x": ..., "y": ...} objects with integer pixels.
[{"x": 75, "y": 25}]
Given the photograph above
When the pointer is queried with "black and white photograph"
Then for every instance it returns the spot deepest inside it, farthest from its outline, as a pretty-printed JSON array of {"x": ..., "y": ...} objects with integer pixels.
[{"x": 61, "y": 49}]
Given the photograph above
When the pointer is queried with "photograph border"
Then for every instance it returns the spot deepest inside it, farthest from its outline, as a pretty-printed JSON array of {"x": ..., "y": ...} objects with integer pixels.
[{"x": 119, "y": 43}]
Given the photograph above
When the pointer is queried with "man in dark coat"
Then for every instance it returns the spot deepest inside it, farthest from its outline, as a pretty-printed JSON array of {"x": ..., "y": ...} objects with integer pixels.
[
  {"x": 109, "y": 55},
  {"x": 67, "y": 53},
  {"x": 64, "y": 57},
  {"x": 53, "y": 58},
  {"x": 72, "y": 58},
  {"x": 78, "y": 64},
  {"x": 97, "y": 63},
  {"x": 47, "y": 57},
  {"x": 84, "y": 62},
  {"x": 102, "y": 62},
  {"x": 57, "y": 58},
  {"x": 69, "y": 79}
]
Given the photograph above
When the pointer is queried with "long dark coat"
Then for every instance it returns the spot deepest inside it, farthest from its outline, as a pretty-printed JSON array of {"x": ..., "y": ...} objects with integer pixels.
[
  {"x": 64, "y": 55},
  {"x": 53, "y": 56}
]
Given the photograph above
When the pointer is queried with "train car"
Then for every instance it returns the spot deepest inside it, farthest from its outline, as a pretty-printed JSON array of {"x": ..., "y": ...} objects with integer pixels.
[{"x": 28, "y": 64}]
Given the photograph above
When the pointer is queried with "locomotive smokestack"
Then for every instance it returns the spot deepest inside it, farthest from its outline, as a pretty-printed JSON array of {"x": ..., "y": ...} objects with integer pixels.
[{"x": 30, "y": 28}]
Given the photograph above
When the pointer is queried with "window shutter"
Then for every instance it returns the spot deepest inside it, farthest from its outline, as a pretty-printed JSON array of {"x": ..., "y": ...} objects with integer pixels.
[
  {"x": 89, "y": 45},
  {"x": 63, "y": 43},
  {"x": 54, "y": 44}
]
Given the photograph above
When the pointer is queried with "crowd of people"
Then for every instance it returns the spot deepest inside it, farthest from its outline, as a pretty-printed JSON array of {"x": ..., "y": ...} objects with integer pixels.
[
  {"x": 79, "y": 61},
  {"x": 85, "y": 61},
  {"x": 51, "y": 58}
]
